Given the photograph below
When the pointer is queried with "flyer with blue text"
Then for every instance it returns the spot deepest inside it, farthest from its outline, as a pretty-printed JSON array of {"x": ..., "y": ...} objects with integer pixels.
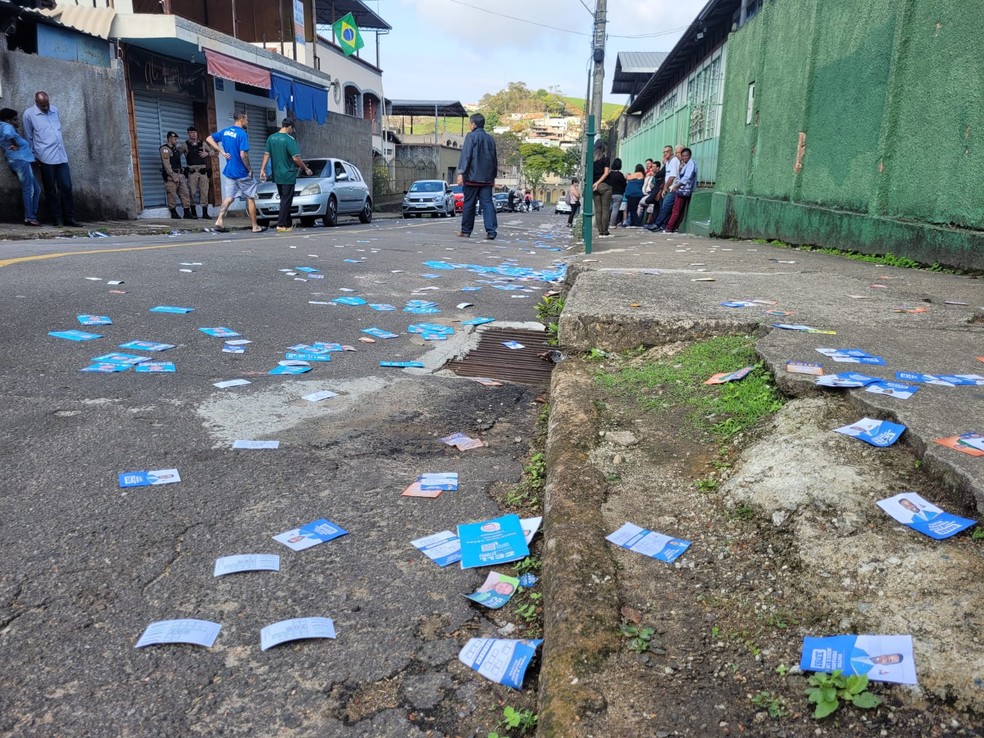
[{"x": 882, "y": 658}]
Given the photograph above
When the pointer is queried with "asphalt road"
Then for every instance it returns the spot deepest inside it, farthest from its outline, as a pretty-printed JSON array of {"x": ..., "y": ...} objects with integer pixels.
[{"x": 88, "y": 565}]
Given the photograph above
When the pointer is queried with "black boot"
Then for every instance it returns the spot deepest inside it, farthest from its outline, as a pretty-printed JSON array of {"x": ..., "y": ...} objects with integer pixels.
[
  {"x": 190, "y": 213},
  {"x": 205, "y": 212},
  {"x": 174, "y": 213}
]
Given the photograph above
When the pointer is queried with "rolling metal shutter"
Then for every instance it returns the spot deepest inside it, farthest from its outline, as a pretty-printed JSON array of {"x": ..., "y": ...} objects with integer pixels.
[{"x": 153, "y": 118}]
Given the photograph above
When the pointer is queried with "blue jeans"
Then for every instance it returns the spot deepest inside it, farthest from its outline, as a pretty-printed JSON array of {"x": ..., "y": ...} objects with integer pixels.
[
  {"x": 29, "y": 187},
  {"x": 483, "y": 194},
  {"x": 57, "y": 181},
  {"x": 664, "y": 210}
]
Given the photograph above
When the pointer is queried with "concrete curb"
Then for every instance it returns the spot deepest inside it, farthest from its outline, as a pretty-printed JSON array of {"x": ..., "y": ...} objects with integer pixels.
[{"x": 581, "y": 598}]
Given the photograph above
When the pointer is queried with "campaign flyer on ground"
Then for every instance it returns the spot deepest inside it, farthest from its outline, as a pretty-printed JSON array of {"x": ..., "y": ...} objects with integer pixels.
[
  {"x": 171, "y": 309},
  {"x": 496, "y": 591},
  {"x": 648, "y": 543},
  {"x": 804, "y": 367},
  {"x": 195, "y": 632},
  {"x": 146, "y": 346},
  {"x": 149, "y": 478},
  {"x": 462, "y": 442},
  {"x": 94, "y": 319},
  {"x": 491, "y": 542},
  {"x": 917, "y": 513},
  {"x": 442, "y": 548},
  {"x": 963, "y": 443},
  {"x": 246, "y": 562},
  {"x": 882, "y": 658},
  {"x": 846, "y": 379},
  {"x": 880, "y": 433},
  {"x": 156, "y": 367},
  {"x": 892, "y": 389},
  {"x": 723, "y": 377},
  {"x": 500, "y": 660},
  {"x": 219, "y": 332},
  {"x": 75, "y": 335},
  {"x": 295, "y": 630},
  {"x": 309, "y": 535}
]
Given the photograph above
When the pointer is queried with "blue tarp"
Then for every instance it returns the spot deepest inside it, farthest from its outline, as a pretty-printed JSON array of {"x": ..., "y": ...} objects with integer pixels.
[{"x": 305, "y": 102}]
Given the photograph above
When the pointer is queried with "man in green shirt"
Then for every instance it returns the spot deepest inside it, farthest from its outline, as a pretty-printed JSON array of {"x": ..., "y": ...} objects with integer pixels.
[{"x": 281, "y": 150}]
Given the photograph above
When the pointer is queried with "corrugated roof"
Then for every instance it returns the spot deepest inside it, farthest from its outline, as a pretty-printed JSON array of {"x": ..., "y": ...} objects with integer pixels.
[
  {"x": 712, "y": 24},
  {"x": 447, "y": 108},
  {"x": 93, "y": 21},
  {"x": 633, "y": 69},
  {"x": 327, "y": 12}
]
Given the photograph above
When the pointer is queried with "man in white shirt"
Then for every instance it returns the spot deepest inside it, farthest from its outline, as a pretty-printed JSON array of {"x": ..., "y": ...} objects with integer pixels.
[
  {"x": 42, "y": 127},
  {"x": 670, "y": 184}
]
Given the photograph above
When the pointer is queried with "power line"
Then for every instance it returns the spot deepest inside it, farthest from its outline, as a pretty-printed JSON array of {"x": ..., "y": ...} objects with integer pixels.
[{"x": 567, "y": 30}]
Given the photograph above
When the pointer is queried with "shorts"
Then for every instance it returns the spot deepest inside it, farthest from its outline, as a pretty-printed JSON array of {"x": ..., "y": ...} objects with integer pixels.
[{"x": 233, "y": 188}]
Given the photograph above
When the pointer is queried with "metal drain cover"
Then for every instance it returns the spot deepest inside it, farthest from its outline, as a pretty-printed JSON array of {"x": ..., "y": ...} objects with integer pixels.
[{"x": 491, "y": 359}]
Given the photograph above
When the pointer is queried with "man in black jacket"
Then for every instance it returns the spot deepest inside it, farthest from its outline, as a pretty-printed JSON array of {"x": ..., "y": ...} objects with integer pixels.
[{"x": 477, "y": 168}]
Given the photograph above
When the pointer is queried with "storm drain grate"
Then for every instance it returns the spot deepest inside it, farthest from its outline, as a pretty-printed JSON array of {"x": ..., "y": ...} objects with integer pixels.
[{"x": 493, "y": 360}]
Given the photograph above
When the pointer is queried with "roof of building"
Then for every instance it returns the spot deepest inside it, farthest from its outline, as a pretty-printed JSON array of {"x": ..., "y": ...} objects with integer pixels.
[
  {"x": 446, "y": 108},
  {"x": 634, "y": 68},
  {"x": 708, "y": 31},
  {"x": 327, "y": 12}
]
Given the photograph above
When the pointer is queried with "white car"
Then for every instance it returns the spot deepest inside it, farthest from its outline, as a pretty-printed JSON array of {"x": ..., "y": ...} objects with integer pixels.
[
  {"x": 432, "y": 196},
  {"x": 562, "y": 206},
  {"x": 335, "y": 187}
]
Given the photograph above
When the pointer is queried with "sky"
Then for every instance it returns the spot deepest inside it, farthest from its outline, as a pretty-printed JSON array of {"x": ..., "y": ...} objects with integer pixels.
[{"x": 458, "y": 50}]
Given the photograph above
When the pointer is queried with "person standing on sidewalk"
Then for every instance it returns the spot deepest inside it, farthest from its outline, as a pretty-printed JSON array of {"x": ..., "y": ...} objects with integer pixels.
[
  {"x": 601, "y": 191},
  {"x": 616, "y": 180},
  {"x": 239, "y": 181},
  {"x": 281, "y": 149},
  {"x": 43, "y": 129},
  {"x": 685, "y": 188},
  {"x": 198, "y": 161},
  {"x": 175, "y": 187},
  {"x": 477, "y": 168},
  {"x": 574, "y": 200},
  {"x": 19, "y": 157}
]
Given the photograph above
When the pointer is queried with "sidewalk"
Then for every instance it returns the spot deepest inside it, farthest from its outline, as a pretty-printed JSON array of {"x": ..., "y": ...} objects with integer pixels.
[{"x": 657, "y": 289}]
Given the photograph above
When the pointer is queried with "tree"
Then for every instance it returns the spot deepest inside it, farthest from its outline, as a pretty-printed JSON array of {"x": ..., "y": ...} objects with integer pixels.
[
  {"x": 538, "y": 160},
  {"x": 507, "y": 148}
]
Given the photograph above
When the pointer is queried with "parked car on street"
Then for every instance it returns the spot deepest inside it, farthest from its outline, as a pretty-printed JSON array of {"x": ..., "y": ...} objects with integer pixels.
[
  {"x": 432, "y": 196},
  {"x": 335, "y": 187},
  {"x": 501, "y": 200},
  {"x": 562, "y": 207}
]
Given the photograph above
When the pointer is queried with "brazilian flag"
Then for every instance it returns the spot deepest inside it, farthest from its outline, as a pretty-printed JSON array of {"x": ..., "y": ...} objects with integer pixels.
[{"x": 347, "y": 34}]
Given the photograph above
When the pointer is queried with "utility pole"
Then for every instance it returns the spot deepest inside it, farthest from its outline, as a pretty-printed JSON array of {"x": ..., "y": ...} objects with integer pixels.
[{"x": 598, "y": 56}]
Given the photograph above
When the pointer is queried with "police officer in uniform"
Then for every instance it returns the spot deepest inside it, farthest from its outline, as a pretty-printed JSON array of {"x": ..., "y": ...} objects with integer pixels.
[
  {"x": 174, "y": 181},
  {"x": 199, "y": 167}
]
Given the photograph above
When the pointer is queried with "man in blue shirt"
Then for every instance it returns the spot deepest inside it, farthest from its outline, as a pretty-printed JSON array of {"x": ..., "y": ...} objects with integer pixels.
[
  {"x": 239, "y": 180},
  {"x": 19, "y": 156},
  {"x": 477, "y": 168},
  {"x": 684, "y": 188},
  {"x": 43, "y": 128}
]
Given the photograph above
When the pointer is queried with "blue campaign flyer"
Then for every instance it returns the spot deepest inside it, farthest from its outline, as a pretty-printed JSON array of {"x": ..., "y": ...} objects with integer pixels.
[
  {"x": 123, "y": 359},
  {"x": 431, "y": 328},
  {"x": 924, "y": 379},
  {"x": 442, "y": 548},
  {"x": 146, "y": 346},
  {"x": 492, "y": 542},
  {"x": 149, "y": 478},
  {"x": 478, "y": 321},
  {"x": 289, "y": 370},
  {"x": 189, "y": 630},
  {"x": 299, "y": 356},
  {"x": 105, "y": 368},
  {"x": 846, "y": 379},
  {"x": 309, "y": 535},
  {"x": 307, "y": 270},
  {"x": 295, "y": 630},
  {"x": 94, "y": 319},
  {"x": 882, "y": 658},
  {"x": 880, "y": 433},
  {"x": 447, "y": 481},
  {"x": 648, "y": 543},
  {"x": 75, "y": 335},
  {"x": 500, "y": 660},
  {"x": 378, "y": 333},
  {"x": 219, "y": 332},
  {"x": 382, "y": 307},
  {"x": 171, "y": 309},
  {"x": 155, "y": 367},
  {"x": 349, "y": 300},
  {"x": 496, "y": 590},
  {"x": 892, "y": 389},
  {"x": 403, "y": 364},
  {"x": 917, "y": 513}
]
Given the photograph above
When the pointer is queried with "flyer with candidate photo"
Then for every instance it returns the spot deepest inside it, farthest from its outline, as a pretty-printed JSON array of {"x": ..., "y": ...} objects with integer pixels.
[
  {"x": 309, "y": 535},
  {"x": 915, "y": 512},
  {"x": 496, "y": 590},
  {"x": 882, "y": 658}
]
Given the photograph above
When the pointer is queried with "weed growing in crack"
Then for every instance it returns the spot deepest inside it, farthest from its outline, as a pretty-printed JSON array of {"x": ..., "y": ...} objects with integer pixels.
[
  {"x": 773, "y": 703},
  {"x": 515, "y": 723},
  {"x": 529, "y": 565},
  {"x": 639, "y": 638},
  {"x": 528, "y": 492},
  {"x": 829, "y": 691}
]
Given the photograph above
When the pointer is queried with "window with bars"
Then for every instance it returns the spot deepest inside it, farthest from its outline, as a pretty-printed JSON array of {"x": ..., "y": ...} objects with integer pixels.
[{"x": 703, "y": 92}]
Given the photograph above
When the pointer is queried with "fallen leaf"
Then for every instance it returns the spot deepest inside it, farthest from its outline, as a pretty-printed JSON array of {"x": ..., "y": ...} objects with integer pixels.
[{"x": 633, "y": 616}]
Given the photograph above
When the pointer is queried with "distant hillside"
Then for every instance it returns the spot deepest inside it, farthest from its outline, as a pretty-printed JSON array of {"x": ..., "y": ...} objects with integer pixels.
[{"x": 609, "y": 111}]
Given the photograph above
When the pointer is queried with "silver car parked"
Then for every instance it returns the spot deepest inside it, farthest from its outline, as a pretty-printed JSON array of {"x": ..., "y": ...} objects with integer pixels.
[
  {"x": 335, "y": 187},
  {"x": 432, "y": 196}
]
